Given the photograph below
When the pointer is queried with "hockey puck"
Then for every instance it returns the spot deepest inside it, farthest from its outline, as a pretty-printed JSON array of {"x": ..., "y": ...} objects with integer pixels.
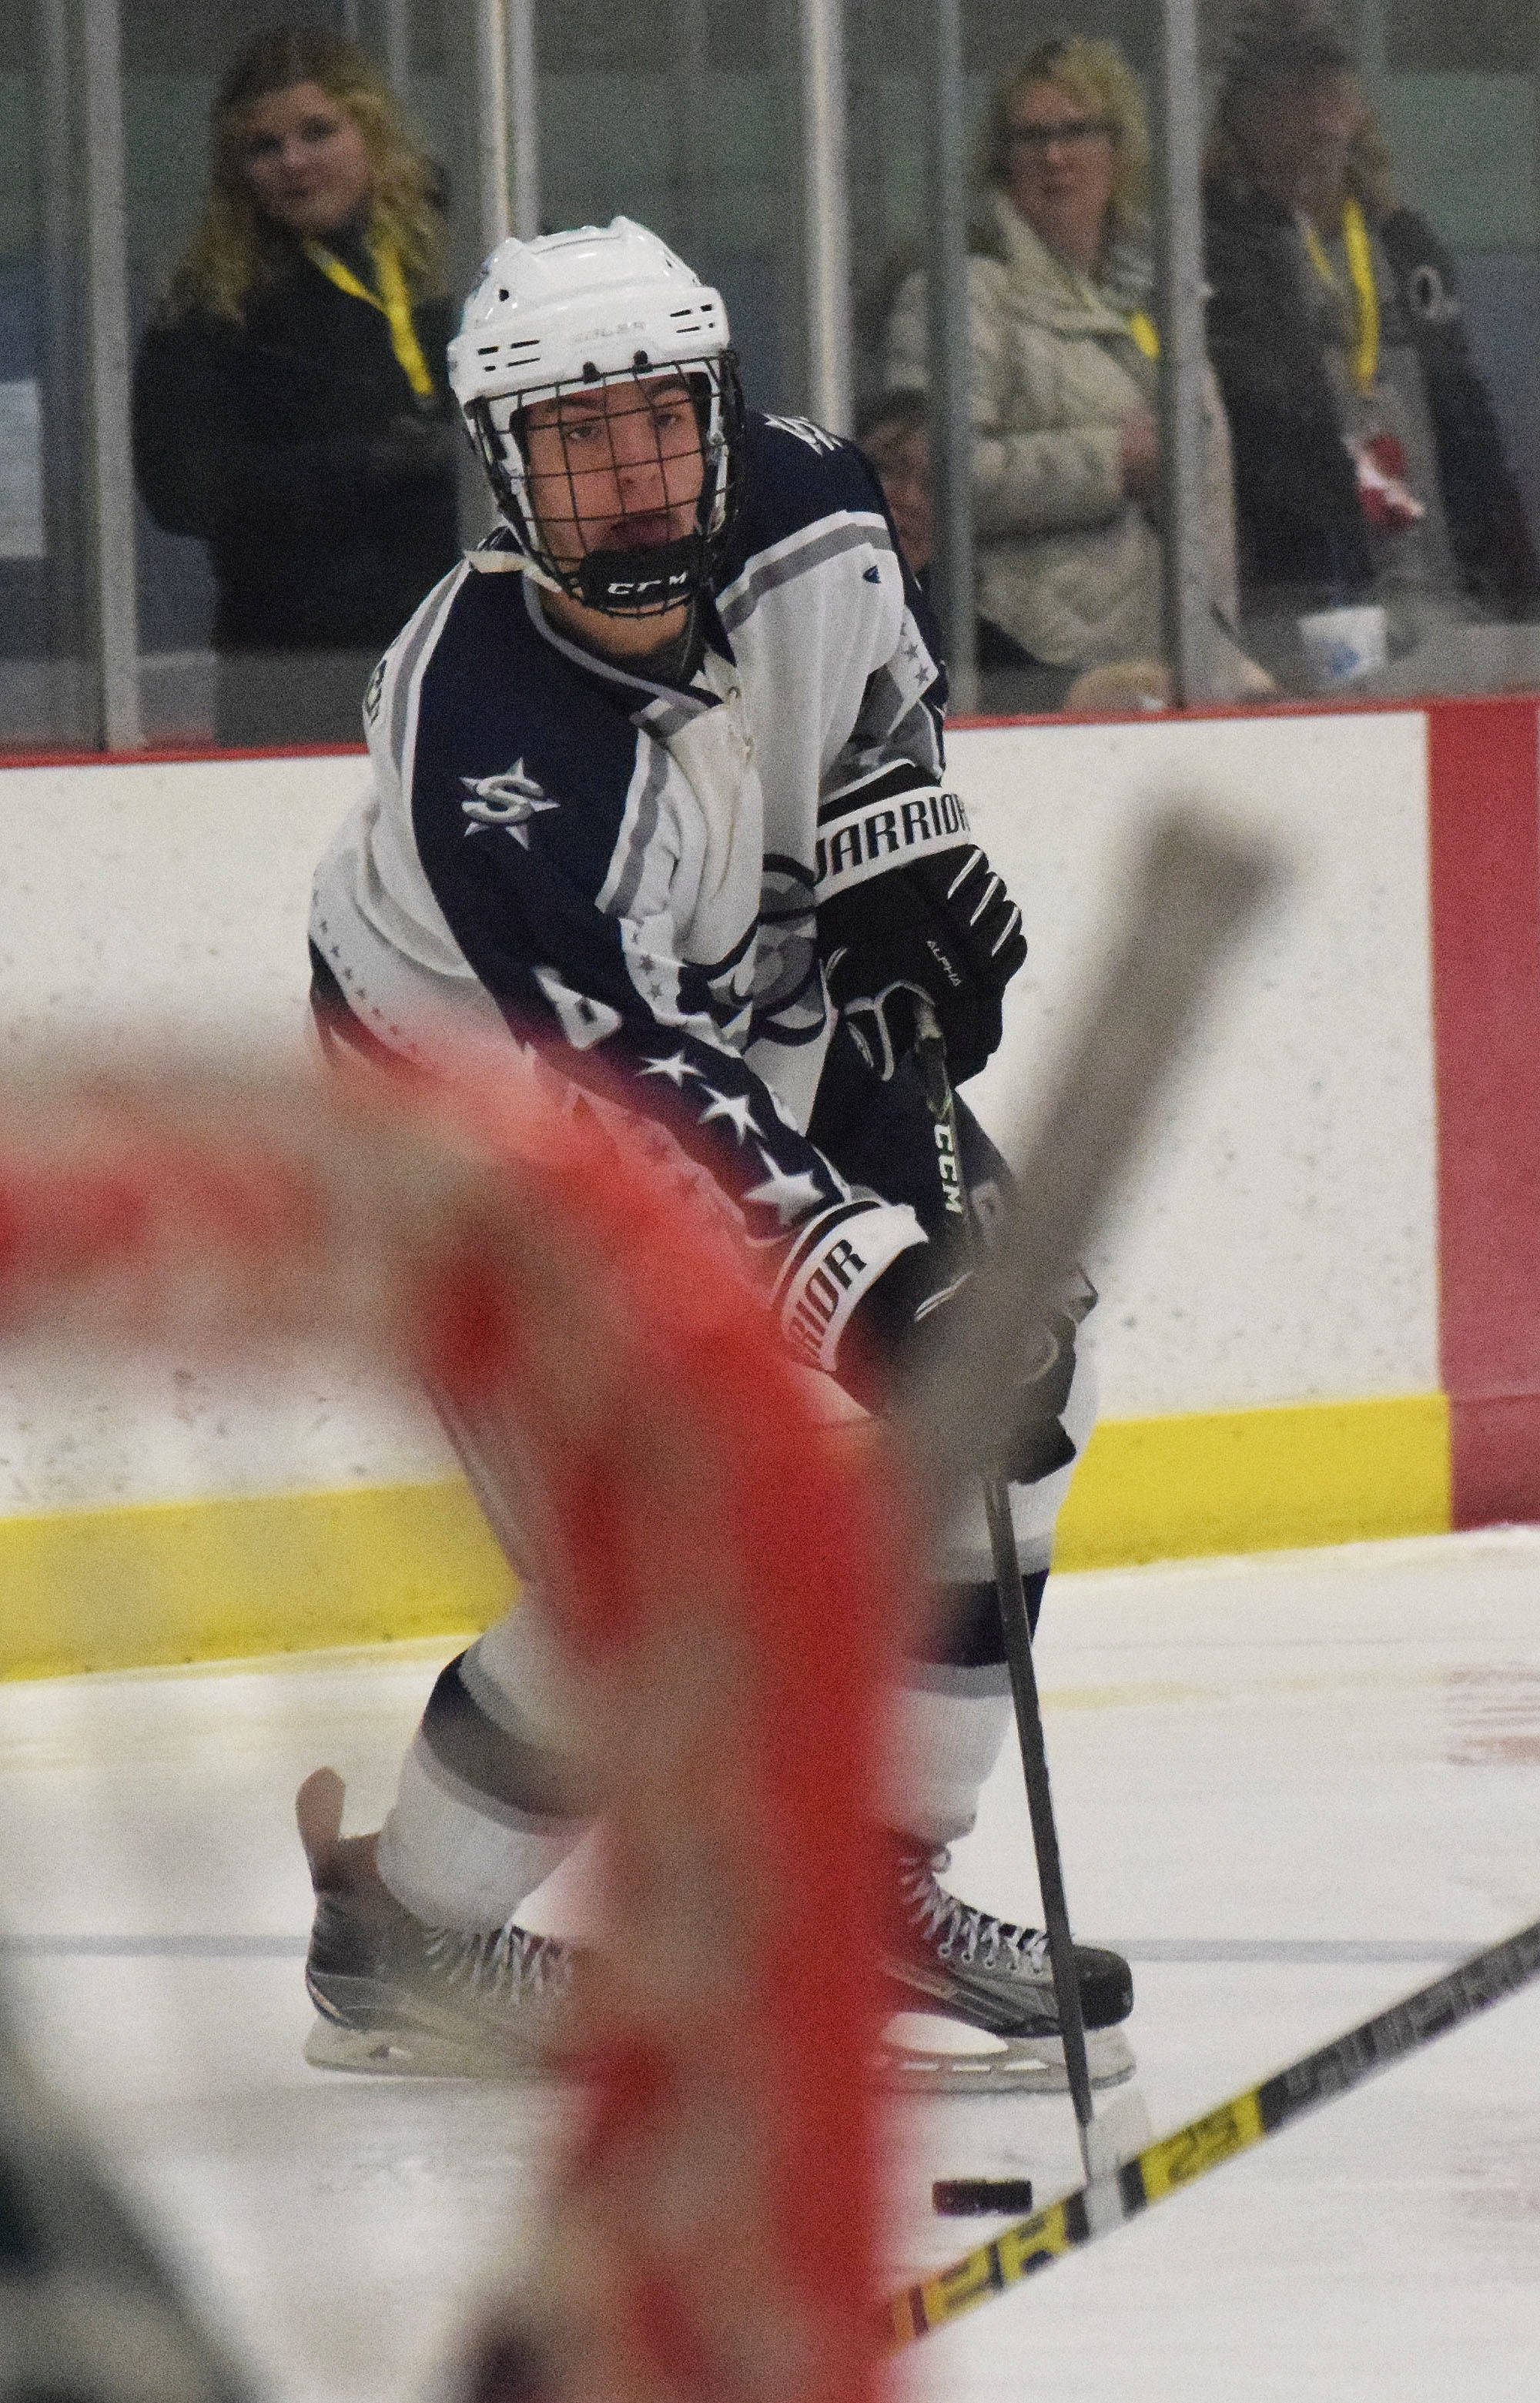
[{"x": 963, "y": 2197}]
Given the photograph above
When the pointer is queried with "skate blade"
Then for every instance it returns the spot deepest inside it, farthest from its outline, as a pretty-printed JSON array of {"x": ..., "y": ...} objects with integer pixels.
[
  {"x": 410, "y": 2052},
  {"x": 981, "y": 2064}
]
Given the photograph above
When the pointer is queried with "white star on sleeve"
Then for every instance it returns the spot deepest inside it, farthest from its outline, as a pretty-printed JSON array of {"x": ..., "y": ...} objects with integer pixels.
[
  {"x": 787, "y": 1195},
  {"x": 675, "y": 1068},
  {"x": 738, "y": 1110}
]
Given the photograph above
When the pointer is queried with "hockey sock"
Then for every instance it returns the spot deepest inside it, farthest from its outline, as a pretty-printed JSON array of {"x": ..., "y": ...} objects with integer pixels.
[
  {"x": 487, "y": 1805},
  {"x": 953, "y": 1710}
]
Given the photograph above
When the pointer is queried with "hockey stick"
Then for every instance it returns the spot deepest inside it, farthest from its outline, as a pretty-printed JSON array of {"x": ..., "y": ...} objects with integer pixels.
[
  {"x": 1246, "y": 2119},
  {"x": 931, "y": 1056}
]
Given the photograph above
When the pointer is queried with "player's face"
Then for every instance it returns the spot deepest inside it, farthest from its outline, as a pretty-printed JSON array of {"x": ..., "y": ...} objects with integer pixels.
[
  {"x": 304, "y": 160},
  {"x": 617, "y": 468},
  {"x": 1062, "y": 167}
]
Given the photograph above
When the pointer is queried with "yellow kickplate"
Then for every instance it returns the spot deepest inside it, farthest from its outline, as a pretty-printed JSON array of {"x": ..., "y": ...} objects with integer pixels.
[
  {"x": 1259, "y": 1482},
  {"x": 150, "y": 1584},
  {"x": 147, "y": 1585}
]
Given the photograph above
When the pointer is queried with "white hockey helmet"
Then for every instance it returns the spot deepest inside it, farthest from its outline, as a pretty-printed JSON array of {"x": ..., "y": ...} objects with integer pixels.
[{"x": 571, "y": 312}]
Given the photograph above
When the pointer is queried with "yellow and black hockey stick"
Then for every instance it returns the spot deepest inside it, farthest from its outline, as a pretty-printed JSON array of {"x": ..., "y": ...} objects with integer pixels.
[{"x": 1246, "y": 2119}]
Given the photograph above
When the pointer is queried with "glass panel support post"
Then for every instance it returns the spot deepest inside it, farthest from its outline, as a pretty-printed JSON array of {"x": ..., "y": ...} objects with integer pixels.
[
  {"x": 523, "y": 109},
  {"x": 492, "y": 122},
  {"x": 950, "y": 380},
  {"x": 396, "y": 34},
  {"x": 1186, "y": 613},
  {"x": 108, "y": 376},
  {"x": 826, "y": 190},
  {"x": 62, "y": 377}
]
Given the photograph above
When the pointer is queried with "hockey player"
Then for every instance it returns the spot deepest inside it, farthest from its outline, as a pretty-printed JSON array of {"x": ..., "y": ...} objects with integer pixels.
[{"x": 658, "y": 785}]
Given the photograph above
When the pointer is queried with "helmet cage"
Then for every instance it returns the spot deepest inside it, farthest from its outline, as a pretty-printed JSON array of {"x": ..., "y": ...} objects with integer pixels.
[{"x": 640, "y": 582}]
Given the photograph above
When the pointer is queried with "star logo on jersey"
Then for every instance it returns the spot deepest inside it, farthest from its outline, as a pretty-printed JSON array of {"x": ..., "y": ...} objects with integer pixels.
[
  {"x": 508, "y": 800},
  {"x": 675, "y": 1068},
  {"x": 787, "y": 1195},
  {"x": 736, "y": 1108}
]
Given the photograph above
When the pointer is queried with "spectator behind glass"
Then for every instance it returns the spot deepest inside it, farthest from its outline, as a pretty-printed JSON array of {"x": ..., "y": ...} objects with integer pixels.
[
  {"x": 1367, "y": 461},
  {"x": 894, "y": 432},
  {"x": 1065, "y": 361},
  {"x": 290, "y": 403}
]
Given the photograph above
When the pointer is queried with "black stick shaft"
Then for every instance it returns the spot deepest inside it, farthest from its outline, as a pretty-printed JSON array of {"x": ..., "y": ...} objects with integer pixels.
[
  {"x": 1017, "y": 1626},
  {"x": 1044, "y": 1830}
]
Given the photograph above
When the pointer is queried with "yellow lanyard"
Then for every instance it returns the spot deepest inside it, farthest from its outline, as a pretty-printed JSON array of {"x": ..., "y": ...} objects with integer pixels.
[
  {"x": 391, "y": 300},
  {"x": 1142, "y": 326},
  {"x": 1355, "y": 242}
]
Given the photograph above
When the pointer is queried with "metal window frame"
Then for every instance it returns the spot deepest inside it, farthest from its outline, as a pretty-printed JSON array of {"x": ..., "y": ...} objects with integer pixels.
[
  {"x": 492, "y": 122},
  {"x": 507, "y": 121},
  {"x": 523, "y": 105},
  {"x": 825, "y": 202},
  {"x": 1188, "y": 613},
  {"x": 949, "y": 378},
  {"x": 109, "y": 370}
]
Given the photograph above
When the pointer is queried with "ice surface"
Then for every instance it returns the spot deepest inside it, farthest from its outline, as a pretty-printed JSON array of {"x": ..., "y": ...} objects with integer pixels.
[{"x": 1291, "y": 1788}]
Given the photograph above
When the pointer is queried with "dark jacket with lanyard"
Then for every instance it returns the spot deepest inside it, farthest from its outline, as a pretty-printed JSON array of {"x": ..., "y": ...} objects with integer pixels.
[
  {"x": 1300, "y": 521},
  {"x": 272, "y": 439}
]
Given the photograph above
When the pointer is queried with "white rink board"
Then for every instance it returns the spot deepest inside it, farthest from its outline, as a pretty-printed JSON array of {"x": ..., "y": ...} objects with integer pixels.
[
  {"x": 1280, "y": 1244},
  {"x": 1280, "y": 1248},
  {"x": 175, "y": 897},
  {"x": 167, "y": 896}
]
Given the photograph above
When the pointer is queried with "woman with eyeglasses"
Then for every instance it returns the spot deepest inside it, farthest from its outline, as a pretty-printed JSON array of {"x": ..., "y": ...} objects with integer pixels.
[
  {"x": 1064, "y": 357},
  {"x": 291, "y": 404}
]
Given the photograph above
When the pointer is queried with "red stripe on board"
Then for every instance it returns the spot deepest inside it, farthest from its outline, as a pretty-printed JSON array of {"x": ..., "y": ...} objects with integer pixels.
[
  {"x": 178, "y": 754},
  {"x": 1484, "y": 860}
]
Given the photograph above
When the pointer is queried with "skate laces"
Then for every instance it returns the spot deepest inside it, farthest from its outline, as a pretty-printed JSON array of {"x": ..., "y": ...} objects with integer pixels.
[
  {"x": 501, "y": 1965},
  {"x": 959, "y": 1931}
]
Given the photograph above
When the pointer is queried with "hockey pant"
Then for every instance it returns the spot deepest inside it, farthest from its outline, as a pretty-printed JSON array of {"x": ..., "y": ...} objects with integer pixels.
[{"x": 489, "y": 1802}]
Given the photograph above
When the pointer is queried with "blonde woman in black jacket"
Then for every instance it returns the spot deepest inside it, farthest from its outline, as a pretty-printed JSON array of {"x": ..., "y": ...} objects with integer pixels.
[{"x": 290, "y": 401}]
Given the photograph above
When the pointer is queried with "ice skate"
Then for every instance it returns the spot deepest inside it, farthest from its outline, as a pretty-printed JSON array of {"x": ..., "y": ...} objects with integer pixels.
[
  {"x": 947, "y": 1960},
  {"x": 396, "y": 1997}
]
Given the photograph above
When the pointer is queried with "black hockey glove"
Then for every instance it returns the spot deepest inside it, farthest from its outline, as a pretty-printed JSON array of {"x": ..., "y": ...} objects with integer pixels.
[
  {"x": 943, "y": 926},
  {"x": 905, "y": 1320}
]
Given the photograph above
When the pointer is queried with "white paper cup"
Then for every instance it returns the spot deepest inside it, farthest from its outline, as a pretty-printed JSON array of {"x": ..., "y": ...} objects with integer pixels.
[{"x": 1342, "y": 644}]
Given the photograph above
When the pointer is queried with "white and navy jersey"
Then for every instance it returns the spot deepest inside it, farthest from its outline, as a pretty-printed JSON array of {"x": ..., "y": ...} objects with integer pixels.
[{"x": 628, "y": 872}]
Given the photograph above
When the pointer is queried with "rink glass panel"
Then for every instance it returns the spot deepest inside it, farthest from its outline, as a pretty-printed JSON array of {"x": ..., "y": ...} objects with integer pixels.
[
  {"x": 45, "y": 674},
  {"x": 685, "y": 113},
  {"x": 1456, "y": 106},
  {"x": 175, "y": 53}
]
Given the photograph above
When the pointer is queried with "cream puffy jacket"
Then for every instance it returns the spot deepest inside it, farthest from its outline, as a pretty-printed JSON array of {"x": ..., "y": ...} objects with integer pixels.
[{"x": 1066, "y": 562}]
